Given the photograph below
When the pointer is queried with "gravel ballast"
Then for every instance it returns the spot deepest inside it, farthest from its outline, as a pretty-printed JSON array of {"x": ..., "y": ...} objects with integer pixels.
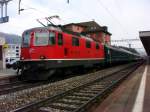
[{"x": 17, "y": 99}]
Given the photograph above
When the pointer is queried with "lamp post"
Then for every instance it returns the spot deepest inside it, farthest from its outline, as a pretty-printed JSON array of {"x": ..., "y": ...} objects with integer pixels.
[
  {"x": 4, "y": 18},
  {"x": 19, "y": 7}
]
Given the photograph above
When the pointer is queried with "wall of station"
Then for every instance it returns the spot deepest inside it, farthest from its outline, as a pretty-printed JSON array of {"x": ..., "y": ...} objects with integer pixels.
[
  {"x": 2, "y": 42},
  {"x": 1, "y": 57}
]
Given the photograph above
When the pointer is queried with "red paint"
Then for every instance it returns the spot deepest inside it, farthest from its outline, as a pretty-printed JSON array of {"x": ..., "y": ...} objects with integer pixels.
[{"x": 64, "y": 51}]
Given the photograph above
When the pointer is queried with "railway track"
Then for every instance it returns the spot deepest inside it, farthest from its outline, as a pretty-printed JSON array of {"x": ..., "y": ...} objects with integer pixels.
[
  {"x": 13, "y": 86},
  {"x": 80, "y": 98},
  {"x": 16, "y": 86},
  {"x": 8, "y": 79},
  {"x": 8, "y": 84}
]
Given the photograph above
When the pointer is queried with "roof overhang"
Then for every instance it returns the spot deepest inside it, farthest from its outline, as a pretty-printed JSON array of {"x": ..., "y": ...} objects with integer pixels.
[{"x": 145, "y": 38}]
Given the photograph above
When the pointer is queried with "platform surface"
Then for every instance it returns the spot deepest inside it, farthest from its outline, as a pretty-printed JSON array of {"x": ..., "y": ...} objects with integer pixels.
[
  {"x": 7, "y": 72},
  {"x": 133, "y": 95}
]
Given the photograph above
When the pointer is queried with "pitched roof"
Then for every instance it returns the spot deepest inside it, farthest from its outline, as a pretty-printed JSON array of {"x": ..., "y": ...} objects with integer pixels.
[
  {"x": 73, "y": 24},
  {"x": 90, "y": 26}
]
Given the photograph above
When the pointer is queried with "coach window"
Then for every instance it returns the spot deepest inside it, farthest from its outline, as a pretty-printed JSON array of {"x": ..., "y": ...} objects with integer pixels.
[
  {"x": 88, "y": 44},
  {"x": 60, "y": 39},
  {"x": 75, "y": 41},
  {"x": 51, "y": 38},
  {"x": 41, "y": 38},
  {"x": 97, "y": 46}
]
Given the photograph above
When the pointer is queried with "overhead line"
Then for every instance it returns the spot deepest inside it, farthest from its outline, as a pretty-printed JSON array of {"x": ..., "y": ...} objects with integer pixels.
[
  {"x": 108, "y": 11},
  {"x": 125, "y": 40}
]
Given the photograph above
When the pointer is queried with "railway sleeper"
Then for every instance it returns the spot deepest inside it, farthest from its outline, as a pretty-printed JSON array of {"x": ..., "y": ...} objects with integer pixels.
[
  {"x": 69, "y": 102},
  {"x": 77, "y": 98},
  {"x": 74, "y": 100},
  {"x": 97, "y": 88},
  {"x": 49, "y": 109},
  {"x": 88, "y": 92},
  {"x": 92, "y": 87},
  {"x": 85, "y": 94},
  {"x": 62, "y": 106}
]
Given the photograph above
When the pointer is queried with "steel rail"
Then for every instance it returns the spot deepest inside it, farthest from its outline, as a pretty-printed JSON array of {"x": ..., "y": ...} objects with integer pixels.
[
  {"x": 41, "y": 103},
  {"x": 108, "y": 89}
]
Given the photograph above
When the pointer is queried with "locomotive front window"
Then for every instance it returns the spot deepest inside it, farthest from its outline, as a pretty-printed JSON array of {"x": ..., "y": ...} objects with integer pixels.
[
  {"x": 41, "y": 38},
  {"x": 26, "y": 39}
]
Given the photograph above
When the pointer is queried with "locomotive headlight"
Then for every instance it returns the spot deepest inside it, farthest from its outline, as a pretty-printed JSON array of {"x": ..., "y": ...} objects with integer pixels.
[
  {"x": 22, "y": 58},
  {"x": 42, "y": 57}
]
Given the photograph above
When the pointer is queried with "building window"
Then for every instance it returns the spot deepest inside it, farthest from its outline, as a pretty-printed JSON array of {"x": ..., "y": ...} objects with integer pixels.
[
  {"x": 60, "y": 39},
  {"x": 17, "y": 50},
  {"x": 97, "y": 34},
  {"x": 88, "y": 44},
  {"x": 9, "y": 46},
  {"x": 97, "y": 46},
  {"x": 13, "y": 46},
  {"x": 75, "y": 41}
]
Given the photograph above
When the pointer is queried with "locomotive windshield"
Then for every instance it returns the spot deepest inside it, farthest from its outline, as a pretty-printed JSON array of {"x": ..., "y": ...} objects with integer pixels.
[
  {"x": 26, "y": 39},
  {"x": 44, "y": 38},
  {"x": 41, "y": 38}
]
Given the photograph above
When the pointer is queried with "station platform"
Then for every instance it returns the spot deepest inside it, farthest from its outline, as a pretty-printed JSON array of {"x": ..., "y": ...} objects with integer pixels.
[
  {"x": 133, "y": 95},
  {"x": 7, "y": 72}
]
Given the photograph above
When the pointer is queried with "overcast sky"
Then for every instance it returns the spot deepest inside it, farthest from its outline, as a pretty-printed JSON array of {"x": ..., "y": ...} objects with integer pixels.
[{"x": 124, "y": 18}]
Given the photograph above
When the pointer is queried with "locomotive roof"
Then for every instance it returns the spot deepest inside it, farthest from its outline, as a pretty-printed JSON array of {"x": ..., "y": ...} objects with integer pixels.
[
  {"x": 44, "y": 28},
  {"x": 59, "y": 29}
]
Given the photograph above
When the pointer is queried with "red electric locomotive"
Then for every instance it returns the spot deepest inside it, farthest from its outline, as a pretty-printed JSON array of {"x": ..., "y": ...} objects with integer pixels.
[{"x": 49, "y": 49}]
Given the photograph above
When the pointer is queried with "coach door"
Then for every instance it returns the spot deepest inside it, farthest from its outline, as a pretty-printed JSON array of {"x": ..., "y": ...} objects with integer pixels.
[
  {"x": 60, "y": 42},
  {"x": 107, "y": 55},
  {"x": 67, "y": 45}
]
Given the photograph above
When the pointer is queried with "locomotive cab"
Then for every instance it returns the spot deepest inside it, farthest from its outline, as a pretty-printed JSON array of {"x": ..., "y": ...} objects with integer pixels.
[
  {"x": 33, "y": 43},
  {"x": 37, "y": 48}
]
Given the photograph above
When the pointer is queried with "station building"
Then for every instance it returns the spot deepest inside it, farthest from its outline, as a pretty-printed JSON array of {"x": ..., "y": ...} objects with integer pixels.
[
  {"x": 2, "y": 42},
  {"x": 12, "y": 53},
  {"x": 8, "y": 53},
  {"x": 92, "y": 30}
]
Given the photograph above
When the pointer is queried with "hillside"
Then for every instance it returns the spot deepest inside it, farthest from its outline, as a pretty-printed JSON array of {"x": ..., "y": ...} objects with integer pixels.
[{"x": 11, "y": 38}]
